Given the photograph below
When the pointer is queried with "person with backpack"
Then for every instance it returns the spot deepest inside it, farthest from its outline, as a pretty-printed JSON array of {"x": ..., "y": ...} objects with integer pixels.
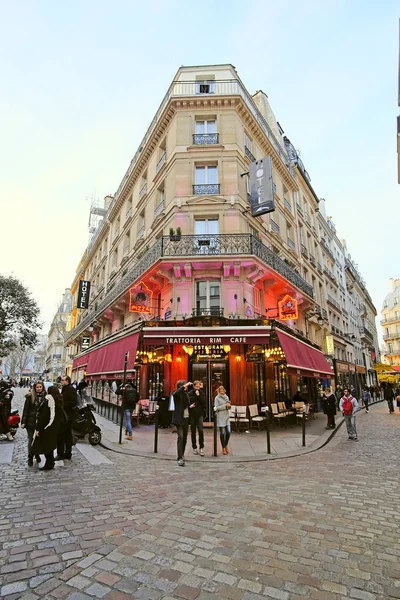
[
  {"x": 129, "y": 399},
  {"x": 365, "y": 398},
  {"x": 348, "y": 406}
]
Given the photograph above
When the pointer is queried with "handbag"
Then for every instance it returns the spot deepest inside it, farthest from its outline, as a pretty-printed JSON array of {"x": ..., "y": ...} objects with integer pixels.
[{"x": 171, "y": 406}]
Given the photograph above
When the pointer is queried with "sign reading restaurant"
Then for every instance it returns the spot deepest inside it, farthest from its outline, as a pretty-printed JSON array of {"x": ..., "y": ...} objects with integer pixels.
[
  {"x": 206, "y": 336},
  {"x": 205, "y": 340}
]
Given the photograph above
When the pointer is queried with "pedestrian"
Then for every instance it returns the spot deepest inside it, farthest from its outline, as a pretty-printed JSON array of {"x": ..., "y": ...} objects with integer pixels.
[
  {"x": 197, "y": 406},
  {"x": 70, "y": 403},
  {"x": 129, "y": 399},
  {"x": 389, "y": 396},
  {"x": 48, "y": 419},
  {"x": 180, "y": 417},
  {"x": 28, "y": 420},
  {"x": 221, "y": 409},
  {"x": 6, "y": 395},
  {"x": 349, "y": 406},
  {"x": 82, "y": 385},
  {"x": 330, "y": 408},
  {"x": 338, "y": 394},
  {"x": 366, "y": 398}
]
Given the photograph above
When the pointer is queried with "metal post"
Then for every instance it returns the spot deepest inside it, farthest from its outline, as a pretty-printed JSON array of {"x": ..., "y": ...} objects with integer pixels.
[
  {"x": 121, "y": 422},
  {"x": 215, "y": 434},
  {"x": 268, "y": 431},
  {"x": 156, "y": 430},
  {"x": 304, "y": 426}
]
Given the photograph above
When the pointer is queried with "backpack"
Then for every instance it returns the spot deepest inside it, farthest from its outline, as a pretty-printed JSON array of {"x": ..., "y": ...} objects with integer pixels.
[{"x": 347, "y": 406}]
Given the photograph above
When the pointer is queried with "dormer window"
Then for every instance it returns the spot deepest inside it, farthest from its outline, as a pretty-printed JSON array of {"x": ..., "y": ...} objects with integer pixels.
[{"x": 205, "y": 87}]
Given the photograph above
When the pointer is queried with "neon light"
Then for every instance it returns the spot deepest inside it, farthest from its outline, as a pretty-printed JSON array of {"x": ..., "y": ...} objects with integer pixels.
[{"x": 288, "y": 308}]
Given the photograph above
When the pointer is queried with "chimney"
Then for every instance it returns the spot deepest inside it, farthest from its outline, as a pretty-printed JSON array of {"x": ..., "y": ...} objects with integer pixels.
[
  {"x": 391, "y": 284},
  {"x": 396, "y": 283}
]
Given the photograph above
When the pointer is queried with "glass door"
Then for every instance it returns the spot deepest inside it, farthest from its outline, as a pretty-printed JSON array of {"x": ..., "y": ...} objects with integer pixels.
[{"x": 212, "y": 375}]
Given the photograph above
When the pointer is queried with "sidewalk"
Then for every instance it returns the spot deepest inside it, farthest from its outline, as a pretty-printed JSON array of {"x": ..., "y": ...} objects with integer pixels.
[{"x": 243, "y": 447}]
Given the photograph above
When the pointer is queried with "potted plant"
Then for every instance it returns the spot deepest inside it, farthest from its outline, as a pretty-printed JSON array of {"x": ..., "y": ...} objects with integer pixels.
[{"x": 175, "y": 237}]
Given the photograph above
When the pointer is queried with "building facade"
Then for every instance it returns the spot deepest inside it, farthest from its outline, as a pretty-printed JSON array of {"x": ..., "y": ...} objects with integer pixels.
[
  {"x": 56, "y": 355},
  {"x": 390, "y": 322},
  {"x": 185, "y": 279}
]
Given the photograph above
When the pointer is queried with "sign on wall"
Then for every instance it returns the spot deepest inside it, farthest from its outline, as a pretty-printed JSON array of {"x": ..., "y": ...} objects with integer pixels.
[
  {"x": 83, "y": 294},
  {"x": 329, "y": 346},
  {"x": 261, "y": 187},
  {"x": 140, "y": 298},
  {"x": 85, "y": 343},
  {"x": 288, "y": 308}
]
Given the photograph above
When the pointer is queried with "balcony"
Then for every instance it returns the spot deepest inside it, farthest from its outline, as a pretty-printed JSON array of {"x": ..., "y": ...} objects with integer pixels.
[
  {"x": 205, "y": 139},
  {"x": 140, "y": 234},
  {"x": 299, "y": 209},
  {"x": 345, "y": 312},
  {"x": 325, "y": 313},
  {"x": 307, "y": 219},
  {"x": 391, "y": 336},
  {"x": 128, "y": 213},
  {"x": 206, "y": 189},
  {"x": 319, "y": 267},
  {"x": 312, "y": 260},
  {"x": 329, "y": 273},
  {"x": 390, "y": 320},
  {"x": 162, "y": 161},
  {"x": 143, "y": 191},
  {"x": 249, "y": 154},
  {"x": 304, "y": 250},
  {"x": 365, "y": 332},
  {"x": 220, "y": 245},
  {"x": 214, "y": 311},
  {"x": 334, "y": 302}
]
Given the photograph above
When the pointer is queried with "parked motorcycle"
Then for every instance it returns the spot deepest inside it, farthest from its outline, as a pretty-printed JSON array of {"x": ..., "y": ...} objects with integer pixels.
[
  {"x": 85, "y": 424},
  {"x": 13, "y": 418}
]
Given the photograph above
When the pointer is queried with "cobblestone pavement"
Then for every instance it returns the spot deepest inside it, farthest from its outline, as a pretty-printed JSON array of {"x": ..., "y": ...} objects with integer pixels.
[{"x": 323, "y": 526}]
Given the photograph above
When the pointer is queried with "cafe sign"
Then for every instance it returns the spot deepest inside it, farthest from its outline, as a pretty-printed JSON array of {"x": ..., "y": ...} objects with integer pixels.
[{"x": 140, "y": 298}]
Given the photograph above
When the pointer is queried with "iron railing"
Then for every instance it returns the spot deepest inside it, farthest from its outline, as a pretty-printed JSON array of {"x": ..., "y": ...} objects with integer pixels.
[
  {"x": 228, "y": 244},
  {"x": 143, "y": 191},
  {"x": 162, "y": 161},
  {"x": 304, "y": 250},
  {"x": 291, "y": 244},
  {"x": 206, "y": 188},
  {"x": 334, "y": 302},
  {"x": 214, "y": 311},
  {"x": 159, "y": 209},
  {"x": 287, "y": 205},
  {"x": 202, "y": 139},
  {"x": 390, "y": 320},
  {"x": 275, "y": 227}
]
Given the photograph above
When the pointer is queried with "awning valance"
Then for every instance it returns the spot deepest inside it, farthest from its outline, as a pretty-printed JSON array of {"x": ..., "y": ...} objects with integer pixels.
[
  {"x": 110, "y": 357},
  {"x": 302, "y": 359}
]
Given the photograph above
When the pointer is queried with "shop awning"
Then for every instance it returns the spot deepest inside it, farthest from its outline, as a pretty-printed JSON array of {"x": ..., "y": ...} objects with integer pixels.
[
  {"x": 302, "y": 359},
  {"x": 110, "y": 357},
  {"x": 81, "y": 361}
]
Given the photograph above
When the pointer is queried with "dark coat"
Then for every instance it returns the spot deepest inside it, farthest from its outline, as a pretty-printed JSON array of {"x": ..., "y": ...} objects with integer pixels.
[
  {"x": 181, "y": 400},
  {"x": 129, "y": 398},
  {"x": 29, "y": 413},
  {"x": 198, "y": 398},
  {"x": 70, "y": 398},
  {"x": 48, "y": 420},
  {"x": 330, "y": 405},
  {"x": 388, "y": 393}
]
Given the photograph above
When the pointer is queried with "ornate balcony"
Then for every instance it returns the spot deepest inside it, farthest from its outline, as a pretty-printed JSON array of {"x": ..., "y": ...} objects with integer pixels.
[
  {"x": 304, "y": 250},
  {"x": 249, "y": 154},
  {"x": 214, "y": 311},
  {"x": 229, "y": 244},
  {"x": 205, "y": 188},
  {"x": 204, "y": 139},
  {"x": 291, "y": 244}
]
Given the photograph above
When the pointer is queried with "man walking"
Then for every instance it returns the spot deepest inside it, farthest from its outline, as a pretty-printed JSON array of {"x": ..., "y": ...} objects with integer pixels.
[
  {"x": 197, "y": 399},
  {"x": 129, "y": 399},
  {"x": 348, "y": 406},
  {"x": 338, "y": 394},
  {"x": 64, "y": 440},
  {"x": 389, "y": 397},
  {"x": 365, "y": 398},
  {"x": 180, "y": 418}
]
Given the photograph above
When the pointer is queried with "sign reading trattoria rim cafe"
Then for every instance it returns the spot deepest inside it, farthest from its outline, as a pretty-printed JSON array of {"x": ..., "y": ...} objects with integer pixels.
[{"x": 153, "y": 335}]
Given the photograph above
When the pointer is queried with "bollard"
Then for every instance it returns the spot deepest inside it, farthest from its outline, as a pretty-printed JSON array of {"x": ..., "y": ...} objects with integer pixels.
[
  {"x": 215, "y": 434},
  {"x": 303, "y": 423},
  {"x": 121, "y": 423},
  {"x": 268, "y": 431},
  {"x": 156, "y": 430}
]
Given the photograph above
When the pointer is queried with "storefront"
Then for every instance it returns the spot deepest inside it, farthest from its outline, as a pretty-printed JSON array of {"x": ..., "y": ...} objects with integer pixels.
[{"x": 257, "y": 364}]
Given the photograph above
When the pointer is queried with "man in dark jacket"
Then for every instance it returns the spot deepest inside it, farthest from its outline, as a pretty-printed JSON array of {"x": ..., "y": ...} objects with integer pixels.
[
  {"x": 389, "y": 397},
  {"x": 64, "y": 440},
  {"x": 180, "y": 418},
  {"x": 330, "y": 408},
  {"x": 197, "y": 400},
  {"x": 129, "y": 399}
]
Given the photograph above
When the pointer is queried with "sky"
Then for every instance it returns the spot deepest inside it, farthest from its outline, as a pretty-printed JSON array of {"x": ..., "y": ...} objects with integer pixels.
[{"x": 81, "y": 81}]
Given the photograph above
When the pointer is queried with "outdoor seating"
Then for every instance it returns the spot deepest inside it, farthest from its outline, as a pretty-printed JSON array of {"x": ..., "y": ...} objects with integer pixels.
[
  {"x": 303, "y": 408},
  {"x": 136, "y": 414},
  {"x": 149, "y": 410},
  {"x": 276, "y": 414},
  {"x": 238, "y": 415},
  {"x": 255, "y": 417}
]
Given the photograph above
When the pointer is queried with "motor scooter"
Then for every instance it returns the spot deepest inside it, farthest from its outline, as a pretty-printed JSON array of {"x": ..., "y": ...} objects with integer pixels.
[
  {"x": 13, "y": 419},
  {"x": 84, "y": 424}
]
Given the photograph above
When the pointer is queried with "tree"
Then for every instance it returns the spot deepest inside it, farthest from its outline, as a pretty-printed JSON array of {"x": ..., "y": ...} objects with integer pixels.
[
  {"x": 18, "y": 359},
  {"x": 19, "y": 315}
]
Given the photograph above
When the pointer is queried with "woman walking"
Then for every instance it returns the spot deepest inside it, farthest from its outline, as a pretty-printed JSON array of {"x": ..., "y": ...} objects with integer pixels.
[
  {"x": 32, "y": 401},
  {"x": 221, "y": 409},
  {"x": 48, "y": 419}
]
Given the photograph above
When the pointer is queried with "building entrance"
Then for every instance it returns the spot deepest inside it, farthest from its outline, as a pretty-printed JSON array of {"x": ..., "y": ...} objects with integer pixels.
[{"x": 212, "y": 375}]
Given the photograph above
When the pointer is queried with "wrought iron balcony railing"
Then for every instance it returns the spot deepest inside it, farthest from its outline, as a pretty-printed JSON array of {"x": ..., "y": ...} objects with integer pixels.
[
  {"x": 191, "y": 246},
  {"x": 287, "y": 205},
  {"x": 365, "y": 332},
  {"x": 159, "y": 209},
  {"x": 143, "y": 191},
  {"x": 162, "y": 161},
  {"x": 334, "y": 302},
  {"x": 214, "y": 311},
  {"x": 291, "y": 244},
  {"x": 205, "y": 188},
  {"x": 390, "y": 320},
  {"x": 304, "y": 250},
  {"x": 275, "y": 227},
  {"x": 203, "y": 139},
  {"x": 249, "y": 154}
]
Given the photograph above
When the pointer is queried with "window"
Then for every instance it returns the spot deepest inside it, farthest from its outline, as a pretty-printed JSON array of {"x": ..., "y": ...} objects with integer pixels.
[
  {"x": 206, "y": 226},
  {"x": 396, "y": 301},
  {"x": 140, "y": 229},
  {"x": 205, "y": 87},
  {"x": 257, "y": 301},
  {"x": 248, "y": 142},
  {"x": 396, "y": 314},
  {"x": 127, "y": 244},
  {"x": 206, "y": 180},
  {"x": 208, "y": 298},
  {"x": 206, "y": 127},
  {"x": 128, "y": 208}
]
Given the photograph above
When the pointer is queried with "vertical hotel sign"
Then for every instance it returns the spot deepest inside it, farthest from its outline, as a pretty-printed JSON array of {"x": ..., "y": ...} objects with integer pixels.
[
  {"x": 83, "y": 294},
  {"x": 261, "y": 187}
]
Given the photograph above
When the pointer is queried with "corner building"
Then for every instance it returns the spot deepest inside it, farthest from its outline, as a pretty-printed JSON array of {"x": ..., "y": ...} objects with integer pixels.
[{"x": 184, "y": 277}]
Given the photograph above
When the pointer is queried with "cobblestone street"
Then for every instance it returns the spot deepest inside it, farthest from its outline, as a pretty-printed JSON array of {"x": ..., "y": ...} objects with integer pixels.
[{"x": 323, "y": 526}]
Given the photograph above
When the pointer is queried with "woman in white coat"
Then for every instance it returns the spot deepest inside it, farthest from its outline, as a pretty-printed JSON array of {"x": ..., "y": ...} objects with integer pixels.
[{"x": 221, "y": 409}]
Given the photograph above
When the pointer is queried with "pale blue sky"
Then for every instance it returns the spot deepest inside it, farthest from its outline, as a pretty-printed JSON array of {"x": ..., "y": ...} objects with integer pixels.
[{"x": 81, "y": 81}]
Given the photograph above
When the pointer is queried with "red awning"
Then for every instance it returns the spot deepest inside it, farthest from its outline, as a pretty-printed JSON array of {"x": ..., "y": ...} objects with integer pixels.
[
  {"x": 80, "y": 361},
  {"x": 110, "y": 358},
  {"x": 302, "y": 359},
  {"x": 394, "y": 367}
]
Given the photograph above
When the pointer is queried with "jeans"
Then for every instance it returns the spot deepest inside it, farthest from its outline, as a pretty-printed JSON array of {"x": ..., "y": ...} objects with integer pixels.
[
  {"x": 390, "y": 405},
  {"x": 182, "y": 430},
  {"x": 64, "y": 441},
  {"x": 366, "y": 403},
  {"x": 197, "y": 422},
  {"x": 351, "y": 426},
  {"x": 225, "y": 434},
  {"x": 128, "y": 422}
]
